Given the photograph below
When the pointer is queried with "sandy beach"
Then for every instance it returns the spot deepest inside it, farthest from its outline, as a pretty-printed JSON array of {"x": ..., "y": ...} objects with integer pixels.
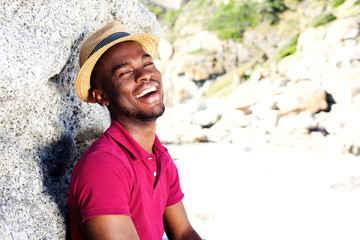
[{"x": 257, "y": 190}]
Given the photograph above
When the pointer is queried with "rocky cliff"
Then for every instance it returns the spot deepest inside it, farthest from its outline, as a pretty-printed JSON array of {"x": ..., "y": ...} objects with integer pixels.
[
  {"x": 44, "y": 126},
  {"x": 297, "y": 78}
]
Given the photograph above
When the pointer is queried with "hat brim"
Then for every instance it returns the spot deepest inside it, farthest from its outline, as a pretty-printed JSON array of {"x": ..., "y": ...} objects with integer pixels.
[{"x": 149, "y": 42}]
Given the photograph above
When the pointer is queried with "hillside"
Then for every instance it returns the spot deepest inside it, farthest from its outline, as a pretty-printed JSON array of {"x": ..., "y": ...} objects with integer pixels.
[{"x": 280, "y": 68}]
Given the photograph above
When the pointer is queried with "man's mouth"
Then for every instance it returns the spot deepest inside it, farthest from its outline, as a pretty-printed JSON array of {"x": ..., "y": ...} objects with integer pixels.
[{"x": 146, "y": 91}]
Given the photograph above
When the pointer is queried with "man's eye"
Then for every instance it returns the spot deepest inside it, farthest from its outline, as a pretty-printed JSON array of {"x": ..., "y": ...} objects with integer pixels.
[
  {"x": 125, "y": 73},
  {"x": 148, "y": 64}
]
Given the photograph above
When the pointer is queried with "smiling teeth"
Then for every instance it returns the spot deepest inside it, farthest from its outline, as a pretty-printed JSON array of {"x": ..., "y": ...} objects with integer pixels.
[{"x": 146, "y": 92}]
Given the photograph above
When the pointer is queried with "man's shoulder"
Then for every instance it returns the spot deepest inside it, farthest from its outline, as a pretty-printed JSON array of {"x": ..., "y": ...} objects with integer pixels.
[
  {"x": 104, "y": 150},
  {"x": 104, "y": 143}
]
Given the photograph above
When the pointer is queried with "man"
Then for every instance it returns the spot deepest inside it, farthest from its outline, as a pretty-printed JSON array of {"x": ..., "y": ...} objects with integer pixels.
[{"x": 125, "y": 186}]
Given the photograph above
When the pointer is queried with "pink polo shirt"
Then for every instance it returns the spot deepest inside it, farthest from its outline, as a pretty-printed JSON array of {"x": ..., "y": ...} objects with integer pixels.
[{"x": 116, "y": 176}]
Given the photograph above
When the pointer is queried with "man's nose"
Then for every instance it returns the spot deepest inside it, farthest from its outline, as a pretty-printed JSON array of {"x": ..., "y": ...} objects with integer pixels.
[{"x": 143, "y": 75}]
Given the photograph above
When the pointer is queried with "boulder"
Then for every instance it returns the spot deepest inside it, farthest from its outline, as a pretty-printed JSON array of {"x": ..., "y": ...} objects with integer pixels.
[
  {"x": 294, "y": 121},
  {"x": 169, "y": 5},
  {"x": 302, "y": 96},
  {"x": 165, "y": 50},
  {"x": 350, "y": 134},
  {"x": 44, "y": 126}
]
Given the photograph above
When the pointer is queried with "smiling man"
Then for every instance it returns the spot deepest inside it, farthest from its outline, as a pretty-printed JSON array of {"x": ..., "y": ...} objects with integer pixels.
[{"x": 125, "y": 186}]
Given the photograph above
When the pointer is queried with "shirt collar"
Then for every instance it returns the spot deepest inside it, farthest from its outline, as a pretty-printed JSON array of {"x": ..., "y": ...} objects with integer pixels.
[{"x": 122, "y": 137}]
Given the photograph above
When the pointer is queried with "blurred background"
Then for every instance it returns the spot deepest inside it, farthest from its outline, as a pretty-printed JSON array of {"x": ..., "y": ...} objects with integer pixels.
[
  {"x": 263, "y": 101},
  {"x": 262, "y": 112}
]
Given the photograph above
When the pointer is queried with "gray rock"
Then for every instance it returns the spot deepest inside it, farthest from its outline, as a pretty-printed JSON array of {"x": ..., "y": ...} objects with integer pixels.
[{"x": 44, "y": 127}]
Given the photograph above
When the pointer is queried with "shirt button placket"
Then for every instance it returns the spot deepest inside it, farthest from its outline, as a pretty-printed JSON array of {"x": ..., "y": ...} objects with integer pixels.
[{"x": 151, "y": 158}]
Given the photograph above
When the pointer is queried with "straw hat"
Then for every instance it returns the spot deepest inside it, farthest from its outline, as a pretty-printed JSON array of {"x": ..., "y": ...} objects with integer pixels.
[{"x": 98, "y": 43}]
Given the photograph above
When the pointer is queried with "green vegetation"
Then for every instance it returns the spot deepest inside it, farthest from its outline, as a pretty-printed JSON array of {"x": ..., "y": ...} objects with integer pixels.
[
  {"x": 166, "y": 17},
  {"x": 324, "y": 19},
  {"x": 231, "y": 20},
  {"x": 171, "y": 16},
  {"x": 224, "y": 84},
  {"x": 197, "y": 51},
  {"x": 270, "y": 10},
  {"x": 337, "y": 3},
  {"x": 221, "y": 87},
  {"x": 357, "y": 2},
  {"x": 204, "y": 3},
  {"x": 288, "y": 49},
  {"x": 158, "y": 11}
]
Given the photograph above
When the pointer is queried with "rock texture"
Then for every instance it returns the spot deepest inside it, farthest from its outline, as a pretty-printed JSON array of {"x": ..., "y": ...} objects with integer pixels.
[{"x": 44, "y": 127}]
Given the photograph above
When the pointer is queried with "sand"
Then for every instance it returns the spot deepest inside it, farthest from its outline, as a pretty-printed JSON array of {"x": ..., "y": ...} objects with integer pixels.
[{"x": 270, "y": 191}]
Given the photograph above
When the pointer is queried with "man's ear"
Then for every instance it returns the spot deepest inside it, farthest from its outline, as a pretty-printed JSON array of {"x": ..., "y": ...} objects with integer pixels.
[{"x": 100, "y": 97}]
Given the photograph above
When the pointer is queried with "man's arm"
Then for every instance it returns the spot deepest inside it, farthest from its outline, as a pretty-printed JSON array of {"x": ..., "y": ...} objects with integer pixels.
[
  {"x": 177, "y": 225},
  {"x": 111, "y": 227}
]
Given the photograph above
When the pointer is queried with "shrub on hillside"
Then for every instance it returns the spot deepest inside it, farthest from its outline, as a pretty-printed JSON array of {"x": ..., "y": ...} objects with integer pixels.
[
  {"x": 288, "y": 49},
  {"x": 231, "y": 20},
  {"x": 324, "y": 19},
  {"x": 337, "y": 3},
  {"x": 170, "y": 17}
]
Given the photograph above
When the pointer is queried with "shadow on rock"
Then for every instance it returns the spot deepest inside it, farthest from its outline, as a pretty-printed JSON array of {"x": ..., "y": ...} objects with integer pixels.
[{"x": 56, "y": 161}]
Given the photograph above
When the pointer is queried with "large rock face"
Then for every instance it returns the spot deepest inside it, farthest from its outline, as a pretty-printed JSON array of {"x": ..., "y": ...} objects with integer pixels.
[{"x": 44, "y": 126}]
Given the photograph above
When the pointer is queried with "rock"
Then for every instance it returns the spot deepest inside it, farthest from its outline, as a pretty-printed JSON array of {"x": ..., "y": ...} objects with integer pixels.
[
  {"x": 230, "y": 120},
  {"x": 343, "y": 121},
  {"x": 178, "y": 89},
  {"x": 206, "y": 118},
  {"x": 334, "y": 121},
  {"x": 301, "y": 69},
  {"x": 267, "y": 120},
  {"x": 340, "y": 30},
  {"x": 310, "y": 41},
  {"x": 165, "y": 50},
  {"x": 248, "y": 94},
  {"x": 303, "y": 96},
  {"x": 350, "y": 135},
  {"x": 294, "y": 121},
  {"x": 200, "y": 56},
  {"x": 177, "y": 131},
  {"x": 206, "y": 41},
  {"x": 175, "y": 126},
  {"x": 169, "y": 5},
  {"x": 44, "y": 126},
  {"x": 286, "y": 63},
  {"x": 199, "y": 67}
]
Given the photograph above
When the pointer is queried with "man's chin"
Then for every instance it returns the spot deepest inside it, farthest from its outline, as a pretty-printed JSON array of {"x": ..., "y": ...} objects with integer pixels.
[
  {"x": 139, "y": 115},
  {"x": 147, "y": 117}
]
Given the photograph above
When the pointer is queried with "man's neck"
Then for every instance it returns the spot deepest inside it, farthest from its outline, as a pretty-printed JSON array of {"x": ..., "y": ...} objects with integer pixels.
[{"x": 142, "y": 132}]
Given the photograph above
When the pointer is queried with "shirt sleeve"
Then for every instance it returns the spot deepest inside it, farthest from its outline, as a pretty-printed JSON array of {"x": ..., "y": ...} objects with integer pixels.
[
  {"x": 102, "y": 186},
  {"x": 175, "y": 192}
]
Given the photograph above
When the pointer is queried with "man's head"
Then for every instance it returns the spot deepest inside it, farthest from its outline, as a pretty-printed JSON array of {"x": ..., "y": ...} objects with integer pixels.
[
  {"x": 126, "y": 81},
  {"x": 97, "y": 44},
  {"x": 117, "y": 71}
]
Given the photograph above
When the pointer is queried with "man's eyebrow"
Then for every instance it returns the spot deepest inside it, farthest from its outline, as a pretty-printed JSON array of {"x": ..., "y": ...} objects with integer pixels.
[
  {"x": 119, "y": 66},
  {"x": 146, "y": 56}
]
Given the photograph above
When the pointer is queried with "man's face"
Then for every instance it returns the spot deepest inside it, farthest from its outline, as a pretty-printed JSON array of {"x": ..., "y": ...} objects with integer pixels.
[{"x": 131, "y": 83}]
